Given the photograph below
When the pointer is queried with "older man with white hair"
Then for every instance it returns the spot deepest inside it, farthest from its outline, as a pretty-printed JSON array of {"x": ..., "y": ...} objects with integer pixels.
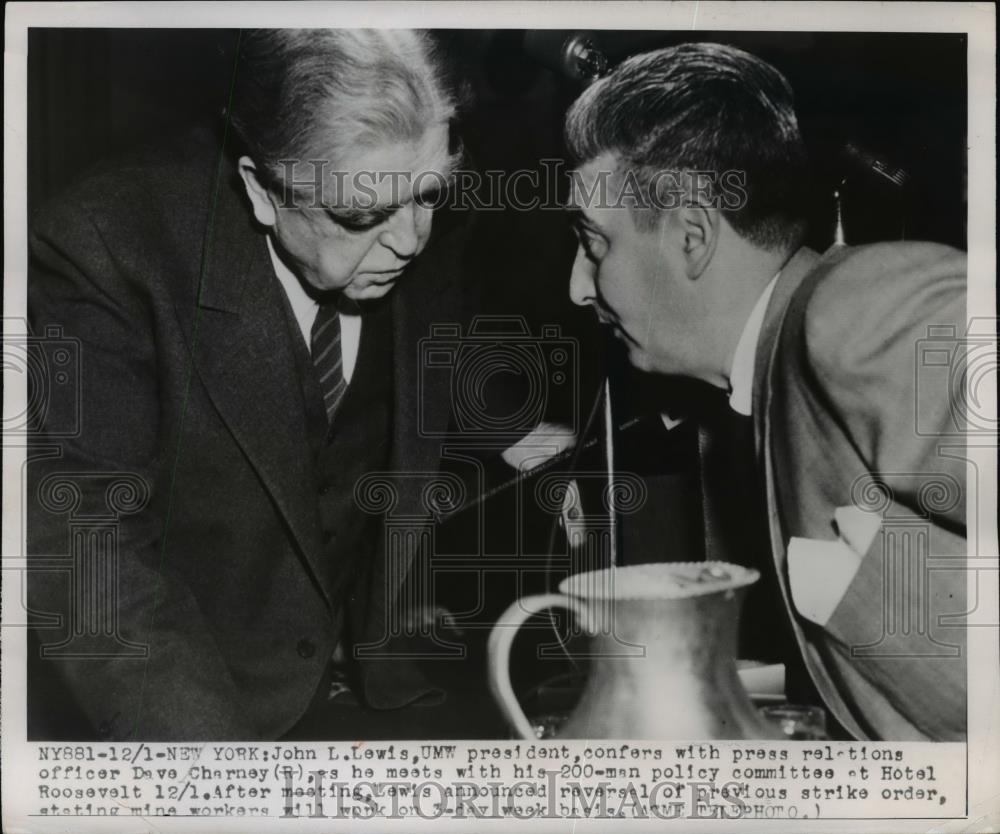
[{"x": 248, "y": 317}]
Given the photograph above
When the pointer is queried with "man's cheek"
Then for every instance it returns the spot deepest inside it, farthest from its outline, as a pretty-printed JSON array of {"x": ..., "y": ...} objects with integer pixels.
[
  {"x": 424, "y": 233},
  {"x": 339, "y": 266}
]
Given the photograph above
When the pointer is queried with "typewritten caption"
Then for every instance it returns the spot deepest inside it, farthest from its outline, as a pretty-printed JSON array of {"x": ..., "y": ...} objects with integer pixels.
[{"x": 506, "y": 780}]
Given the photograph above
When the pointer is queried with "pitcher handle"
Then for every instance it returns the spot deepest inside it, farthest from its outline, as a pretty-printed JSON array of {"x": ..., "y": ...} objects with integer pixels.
[{"x": 500, "y": 642}]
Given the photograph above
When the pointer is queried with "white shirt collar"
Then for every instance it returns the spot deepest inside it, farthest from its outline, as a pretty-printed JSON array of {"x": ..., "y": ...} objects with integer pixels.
[
  {"x": 305, "y": 309},
  {"x": 741, "y": 373}
]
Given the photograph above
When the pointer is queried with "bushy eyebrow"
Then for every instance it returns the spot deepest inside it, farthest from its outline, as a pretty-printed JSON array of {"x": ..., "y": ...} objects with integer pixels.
[
  {"x": 352, "y": 216},
  {"x": 373, "y": 215},
  {"x": 361, "y": 217},
  {"x": 431, "y": 185}
]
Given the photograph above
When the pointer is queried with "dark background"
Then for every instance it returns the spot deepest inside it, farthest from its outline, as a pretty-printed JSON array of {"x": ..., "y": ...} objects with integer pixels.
[{"x": 95, "y": 92}]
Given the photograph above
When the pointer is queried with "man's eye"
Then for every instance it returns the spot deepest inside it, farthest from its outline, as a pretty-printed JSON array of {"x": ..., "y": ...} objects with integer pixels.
[
  {"x": 357, "y": 224},
  {"x": 360, "y": 226},
  {"x": 594, "y": 248}
]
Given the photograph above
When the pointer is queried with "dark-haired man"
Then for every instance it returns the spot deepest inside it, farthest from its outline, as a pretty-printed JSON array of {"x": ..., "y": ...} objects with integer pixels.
[
  {"x": 248, "y": 321},
  {"x": 817, "y": 354}
]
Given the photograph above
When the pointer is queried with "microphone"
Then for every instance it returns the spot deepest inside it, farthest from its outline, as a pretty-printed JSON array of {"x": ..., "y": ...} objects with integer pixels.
[
  {"x": 875, "y": 164},
  {"x": 573, "y": 55}
]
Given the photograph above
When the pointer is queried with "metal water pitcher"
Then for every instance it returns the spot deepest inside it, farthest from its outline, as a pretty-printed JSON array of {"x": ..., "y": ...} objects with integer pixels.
[{"x": 662, "y": 640}]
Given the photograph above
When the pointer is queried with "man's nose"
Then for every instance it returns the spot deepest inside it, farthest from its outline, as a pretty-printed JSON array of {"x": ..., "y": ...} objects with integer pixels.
[
  {"x": 581, "y": 280},
  {"x": 407, "y": 229}
]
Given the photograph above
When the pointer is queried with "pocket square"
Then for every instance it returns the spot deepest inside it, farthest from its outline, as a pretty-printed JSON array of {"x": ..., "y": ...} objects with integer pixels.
[{"x": 820, "y": 571}]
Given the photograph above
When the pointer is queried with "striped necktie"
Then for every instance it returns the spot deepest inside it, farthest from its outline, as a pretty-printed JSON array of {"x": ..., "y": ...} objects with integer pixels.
[{"x": 328, "y": 359}]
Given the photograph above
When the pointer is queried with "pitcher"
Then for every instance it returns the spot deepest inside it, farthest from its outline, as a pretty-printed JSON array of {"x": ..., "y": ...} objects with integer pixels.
[{"x": 663, "y": 647}]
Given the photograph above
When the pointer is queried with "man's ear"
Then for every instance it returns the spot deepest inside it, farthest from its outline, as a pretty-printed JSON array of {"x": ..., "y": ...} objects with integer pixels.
[
  {"x": 260, "y": 197},
  {"x": 700, "y": 229}
]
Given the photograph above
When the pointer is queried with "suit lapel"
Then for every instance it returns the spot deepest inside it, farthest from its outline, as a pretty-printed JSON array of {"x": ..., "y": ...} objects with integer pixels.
[
  {"x": 800, "y": 264},
  {"x": 805, "y": 265},
  {"x": 243, "y": 354},
  {"x": 794, "y": 272}
]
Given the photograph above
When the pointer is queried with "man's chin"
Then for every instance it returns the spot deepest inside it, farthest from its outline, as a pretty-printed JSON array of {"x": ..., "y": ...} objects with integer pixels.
[
  {"x": 369, "y": 292},
  {"x": 639, "y": 359}
]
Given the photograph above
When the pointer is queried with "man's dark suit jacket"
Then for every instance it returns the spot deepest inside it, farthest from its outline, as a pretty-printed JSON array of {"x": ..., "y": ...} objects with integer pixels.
[
  {"x": 188, "y": 381},
  {"x": 847, "y": 413}
]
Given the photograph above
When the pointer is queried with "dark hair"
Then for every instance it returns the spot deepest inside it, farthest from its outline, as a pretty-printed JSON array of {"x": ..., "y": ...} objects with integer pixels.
[
  {"x": 702, "y": 107},
  {"x": 305, "y": 94}
]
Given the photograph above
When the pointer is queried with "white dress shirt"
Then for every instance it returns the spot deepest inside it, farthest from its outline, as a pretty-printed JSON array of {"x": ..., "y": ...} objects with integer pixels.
[
  {"x": 306, "y": 309},
  {"x": 741, "y": 373}
]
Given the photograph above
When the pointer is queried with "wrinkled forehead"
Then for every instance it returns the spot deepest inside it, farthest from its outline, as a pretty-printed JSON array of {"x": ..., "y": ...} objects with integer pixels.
[
  {"x": 381, "y": 172},
  {"x": 423, "y": 152},
  {"x": 396, "y": 170}
]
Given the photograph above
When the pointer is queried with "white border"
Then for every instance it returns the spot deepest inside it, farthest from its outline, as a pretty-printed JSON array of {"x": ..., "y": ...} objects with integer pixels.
[{"x": 976, "y": 19}]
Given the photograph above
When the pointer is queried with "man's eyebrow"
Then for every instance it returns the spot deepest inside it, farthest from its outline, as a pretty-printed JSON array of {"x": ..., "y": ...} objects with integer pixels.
[
  {"x": 349, "y": 213},
  {"x": 443, "y": 178},
  {"x": 358, "y": 216}
]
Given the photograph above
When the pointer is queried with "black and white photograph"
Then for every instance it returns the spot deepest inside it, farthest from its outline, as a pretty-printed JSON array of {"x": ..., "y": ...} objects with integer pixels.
[{"x": 510, "y": 412}]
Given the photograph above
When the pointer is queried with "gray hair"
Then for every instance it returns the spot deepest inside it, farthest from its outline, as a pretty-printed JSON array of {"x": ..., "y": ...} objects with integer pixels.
[{"x": 306, "y": 94}]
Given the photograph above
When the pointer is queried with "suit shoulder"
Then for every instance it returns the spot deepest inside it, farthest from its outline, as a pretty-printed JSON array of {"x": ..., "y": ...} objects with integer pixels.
[
  {"x": 883, "y": 268},
  {"x": 862, "y": 299},
  {"x": 143, "y": 189}
]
